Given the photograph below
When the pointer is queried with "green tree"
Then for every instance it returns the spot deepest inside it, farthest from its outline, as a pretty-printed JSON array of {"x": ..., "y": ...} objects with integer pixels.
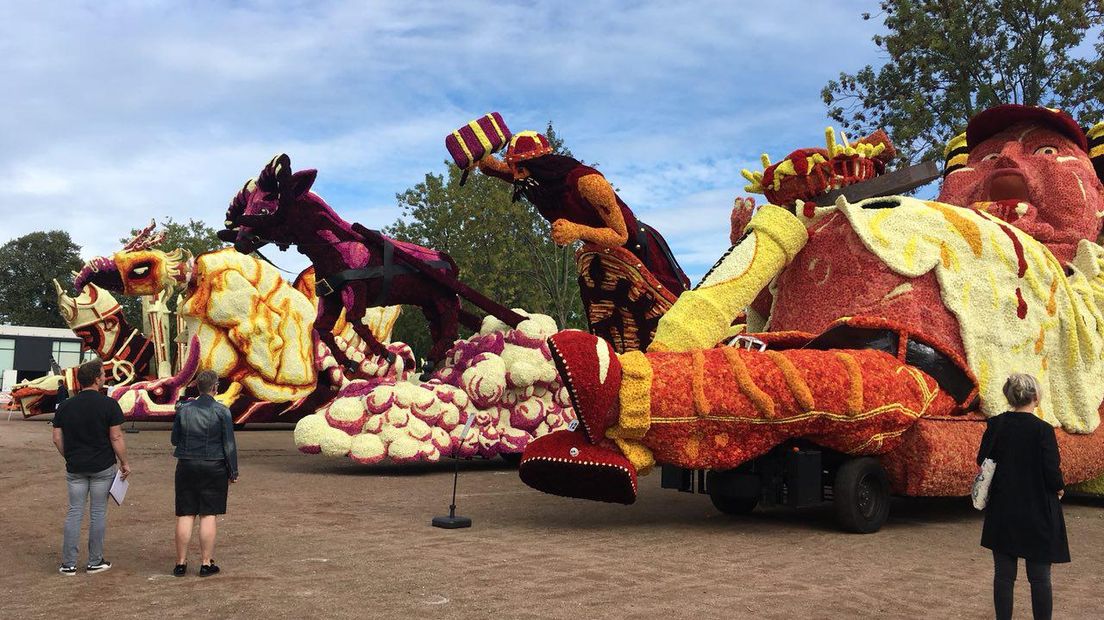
[
  {"x": 503, "y": 248},
  {"x": 27, "y": 266},
  {"x": 949, "y": 59}
]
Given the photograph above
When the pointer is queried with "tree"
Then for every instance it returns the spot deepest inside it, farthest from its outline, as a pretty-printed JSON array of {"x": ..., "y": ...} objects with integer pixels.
[
  {"x": 503, "y": 248},
  {"x": 27, "y": 266},
  {"x": 949, "y": 59}
]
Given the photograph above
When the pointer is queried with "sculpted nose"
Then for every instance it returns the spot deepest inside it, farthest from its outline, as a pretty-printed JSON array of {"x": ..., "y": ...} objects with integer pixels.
[{"x": 1009, "y": 154}]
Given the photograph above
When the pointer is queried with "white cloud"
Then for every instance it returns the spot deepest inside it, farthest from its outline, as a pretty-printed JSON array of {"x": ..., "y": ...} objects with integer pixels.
[{"x": 118, "y": 112}]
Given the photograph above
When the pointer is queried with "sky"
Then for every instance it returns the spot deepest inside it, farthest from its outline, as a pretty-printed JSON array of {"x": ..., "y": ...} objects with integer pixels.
[{"x": 119, "y": 112}]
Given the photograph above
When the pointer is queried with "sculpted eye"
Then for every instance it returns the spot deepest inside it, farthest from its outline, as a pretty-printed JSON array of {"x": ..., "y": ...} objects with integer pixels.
[
  {"x": 140, "y": 271},
  {"x": 1046, "y": 150},
  {"x": 990, "y": 157}
]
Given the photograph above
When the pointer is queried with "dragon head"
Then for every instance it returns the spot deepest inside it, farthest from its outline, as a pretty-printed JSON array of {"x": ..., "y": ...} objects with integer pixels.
[
  {"x": 137, "y": 269},
  {"x": 257, "y": 213}
]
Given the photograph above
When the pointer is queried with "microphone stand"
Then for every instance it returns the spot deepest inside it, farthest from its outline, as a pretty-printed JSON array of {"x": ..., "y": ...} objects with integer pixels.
[{"x": 453, "y": 522}]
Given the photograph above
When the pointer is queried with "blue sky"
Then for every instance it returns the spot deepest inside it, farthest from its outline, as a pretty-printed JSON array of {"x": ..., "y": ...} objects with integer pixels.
[{"x": 116, "y": 112}]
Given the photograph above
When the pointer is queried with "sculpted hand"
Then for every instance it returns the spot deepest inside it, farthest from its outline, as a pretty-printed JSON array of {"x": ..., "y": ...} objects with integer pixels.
[
  {"x": 562, "y": 233},
  {"x": 742, "y": 210}
]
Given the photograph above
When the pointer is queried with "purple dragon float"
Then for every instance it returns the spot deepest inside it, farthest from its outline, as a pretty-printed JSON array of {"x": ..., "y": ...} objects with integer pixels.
[{"x": 356, "y": 268}]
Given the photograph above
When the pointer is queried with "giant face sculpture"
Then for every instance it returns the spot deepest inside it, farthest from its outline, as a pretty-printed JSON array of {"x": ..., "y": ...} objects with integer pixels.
[
  {"x": 1041, "y": 171},
  {"x": 93, "y": 315}
]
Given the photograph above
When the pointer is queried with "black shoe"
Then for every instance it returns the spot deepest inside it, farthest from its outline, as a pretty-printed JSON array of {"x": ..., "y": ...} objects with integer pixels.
[
  {"x": 98, "y": 567},
  {"x": 180, "y": 570},
  {"x": 208, "y": 569},
  {"x": 68, "y": 570}
]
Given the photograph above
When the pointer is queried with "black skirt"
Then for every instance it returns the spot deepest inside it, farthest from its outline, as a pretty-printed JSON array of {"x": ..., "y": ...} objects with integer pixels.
[{"x": 201, "y": 487}]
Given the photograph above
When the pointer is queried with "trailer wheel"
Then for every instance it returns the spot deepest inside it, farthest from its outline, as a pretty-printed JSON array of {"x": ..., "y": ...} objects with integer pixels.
[
  {"x": 732, "y": 505},
  {"x": 861, "y": 495}
]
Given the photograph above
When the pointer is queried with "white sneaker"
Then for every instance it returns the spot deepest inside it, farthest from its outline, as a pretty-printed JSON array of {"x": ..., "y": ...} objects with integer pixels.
[
  {"x": 68, "y": 570},
  {"x": 98, "y": 567}
]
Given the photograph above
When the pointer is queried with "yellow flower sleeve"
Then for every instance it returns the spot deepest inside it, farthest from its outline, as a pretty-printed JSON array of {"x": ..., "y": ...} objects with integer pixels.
[{"x": 701, "y": 317}]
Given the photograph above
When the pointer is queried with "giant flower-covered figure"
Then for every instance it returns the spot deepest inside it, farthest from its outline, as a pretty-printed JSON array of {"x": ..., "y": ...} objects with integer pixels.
[
  {"x": 891, "y": 321},
  {"x": 581, "y": 204},
  {"x": 628, "y": 275}
]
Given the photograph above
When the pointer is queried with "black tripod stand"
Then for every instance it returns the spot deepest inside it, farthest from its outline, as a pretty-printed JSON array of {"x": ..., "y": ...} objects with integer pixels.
[{"x": 453, "y": 522}]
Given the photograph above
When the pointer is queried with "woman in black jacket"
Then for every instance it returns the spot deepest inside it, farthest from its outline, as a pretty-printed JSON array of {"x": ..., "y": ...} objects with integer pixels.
[
  {"x": 207, "y": 461},
  {"x": 1023, "y": 518}
]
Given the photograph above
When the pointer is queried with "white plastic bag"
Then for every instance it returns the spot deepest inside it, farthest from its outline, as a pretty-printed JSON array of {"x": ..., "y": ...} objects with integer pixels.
[{"x": 980, "y": 491}]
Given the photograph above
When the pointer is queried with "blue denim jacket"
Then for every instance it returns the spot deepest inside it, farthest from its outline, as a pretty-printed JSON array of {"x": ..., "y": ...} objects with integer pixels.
[{"x": 203, "y": 430}]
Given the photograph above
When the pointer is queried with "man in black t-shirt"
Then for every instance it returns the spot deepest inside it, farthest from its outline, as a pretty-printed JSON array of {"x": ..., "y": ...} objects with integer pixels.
[{"x": 88, "y": 433}]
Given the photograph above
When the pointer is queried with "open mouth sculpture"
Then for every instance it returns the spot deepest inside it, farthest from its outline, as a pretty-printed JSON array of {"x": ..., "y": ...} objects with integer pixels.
[{"x": 1007, "y": 184}]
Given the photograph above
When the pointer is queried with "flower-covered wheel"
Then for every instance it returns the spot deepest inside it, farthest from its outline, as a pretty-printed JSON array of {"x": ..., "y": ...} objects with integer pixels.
[{"x": 861, "y": 495}]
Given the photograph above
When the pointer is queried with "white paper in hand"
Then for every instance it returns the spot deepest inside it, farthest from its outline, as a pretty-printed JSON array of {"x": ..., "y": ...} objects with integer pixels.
[{"x": 118, "y": 488}]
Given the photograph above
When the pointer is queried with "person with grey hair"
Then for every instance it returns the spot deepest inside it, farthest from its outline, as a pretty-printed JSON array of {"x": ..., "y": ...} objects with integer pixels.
[
  {"x": 207, "y": 460},
  {"x": 1023, "y": 518},
  {"x": 88, "y": 433}
]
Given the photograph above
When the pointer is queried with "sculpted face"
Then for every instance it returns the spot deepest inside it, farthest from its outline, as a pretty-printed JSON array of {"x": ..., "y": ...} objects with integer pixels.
[
  {"x": 520, "y": 173},
  {"x": 260, "y": 209},
  {"x": 262, "y": 204},
  {"x": 1043, "y": 172},
  {"x": 93, "y": 316},
  {"x": 140, "y": 272}
]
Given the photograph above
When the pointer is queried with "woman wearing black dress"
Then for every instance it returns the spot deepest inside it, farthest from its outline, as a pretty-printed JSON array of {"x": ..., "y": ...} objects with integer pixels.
[{"x": 1023, "y": 518}]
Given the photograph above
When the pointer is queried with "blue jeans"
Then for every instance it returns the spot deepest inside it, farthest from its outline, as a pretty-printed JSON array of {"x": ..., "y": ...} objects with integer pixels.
[{"x": 81, "y": 486}]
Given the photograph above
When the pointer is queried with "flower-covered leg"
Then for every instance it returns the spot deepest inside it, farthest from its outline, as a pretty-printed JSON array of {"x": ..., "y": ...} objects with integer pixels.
[
  {"x": 716, "y": 409},
  {"x": 719, "y": 408}
]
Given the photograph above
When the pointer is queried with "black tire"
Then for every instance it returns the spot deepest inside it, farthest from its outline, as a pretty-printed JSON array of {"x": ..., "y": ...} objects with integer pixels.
[
  {"x": 734, "y": 505},
  {"x": 861, "y": 495},
  {"x": 513, "y": 458}
]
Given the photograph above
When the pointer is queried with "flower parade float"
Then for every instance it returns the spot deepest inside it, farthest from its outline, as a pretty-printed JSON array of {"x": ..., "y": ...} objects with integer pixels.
[
  {"x": 97, "y": 318},
  {"x": 502, "y": 378},
  {"x": 353, "y": 393},
  {"x": 240, "y": 318},
  {"x": 356, "y": 268},
  {"x": 885, "y": 329},
  {"x": 628, "y": 276}
]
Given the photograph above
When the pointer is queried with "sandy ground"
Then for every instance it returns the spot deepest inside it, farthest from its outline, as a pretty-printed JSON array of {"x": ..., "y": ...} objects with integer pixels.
[{"x": 311, "y": 536}]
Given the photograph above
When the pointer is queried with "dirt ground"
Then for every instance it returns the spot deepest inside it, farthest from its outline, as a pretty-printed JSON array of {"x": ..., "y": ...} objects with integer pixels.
[{"x": 310, "y": 536}]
